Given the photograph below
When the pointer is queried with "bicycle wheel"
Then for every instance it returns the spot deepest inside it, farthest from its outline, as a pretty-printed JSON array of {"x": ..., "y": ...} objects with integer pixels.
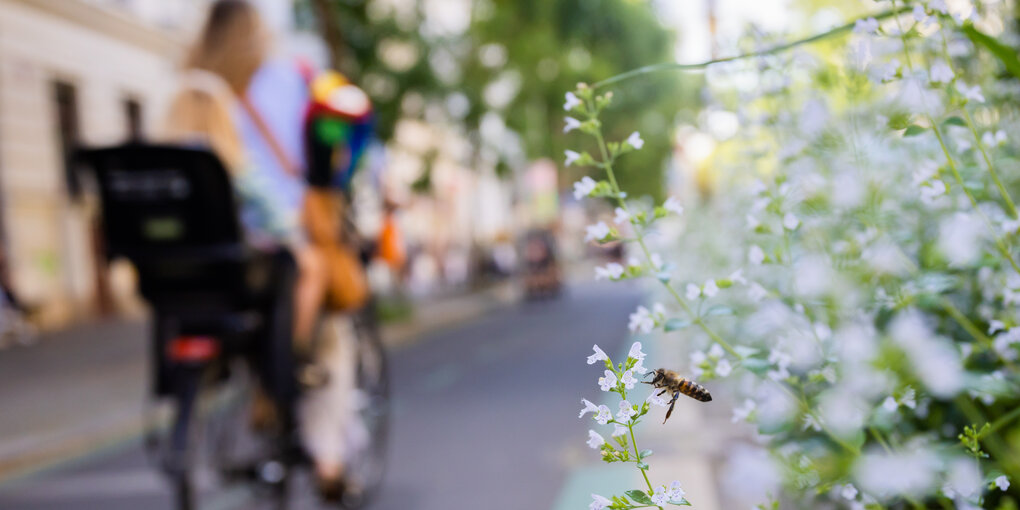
[{"x": 367, "y": 465}]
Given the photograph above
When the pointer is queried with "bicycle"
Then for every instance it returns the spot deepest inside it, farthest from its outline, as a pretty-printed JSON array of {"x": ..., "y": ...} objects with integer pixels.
[{"x": 221, "y": 331}]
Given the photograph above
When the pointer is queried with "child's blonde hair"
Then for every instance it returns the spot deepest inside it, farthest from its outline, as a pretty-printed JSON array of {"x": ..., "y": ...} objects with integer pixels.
[{"x": 201, "y": 112}]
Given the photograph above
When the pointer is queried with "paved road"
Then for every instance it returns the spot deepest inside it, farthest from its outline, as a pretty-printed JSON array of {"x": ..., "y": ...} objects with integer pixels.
[{"x": 485, "y": 417}]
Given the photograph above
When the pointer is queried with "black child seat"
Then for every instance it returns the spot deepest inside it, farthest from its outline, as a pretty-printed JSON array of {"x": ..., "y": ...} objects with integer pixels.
[{"x": 172, "y": 212}]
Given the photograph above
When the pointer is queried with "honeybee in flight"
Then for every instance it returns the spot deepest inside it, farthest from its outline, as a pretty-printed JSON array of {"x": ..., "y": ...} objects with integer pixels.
[{"x": 671, "y": 382}]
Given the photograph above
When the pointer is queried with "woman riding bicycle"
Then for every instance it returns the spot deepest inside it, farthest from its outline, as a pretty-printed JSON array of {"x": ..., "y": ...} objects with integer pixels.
[{"x": 215, "y": 106}]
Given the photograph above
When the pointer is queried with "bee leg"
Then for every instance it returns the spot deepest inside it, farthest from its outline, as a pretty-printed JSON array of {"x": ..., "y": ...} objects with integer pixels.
[
  {"x": 661, "y": 392},
  {"x": 672, "y": 403}
]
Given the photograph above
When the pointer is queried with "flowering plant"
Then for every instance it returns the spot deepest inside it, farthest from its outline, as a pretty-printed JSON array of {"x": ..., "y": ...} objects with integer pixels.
[{"x": 867, "y": 322}]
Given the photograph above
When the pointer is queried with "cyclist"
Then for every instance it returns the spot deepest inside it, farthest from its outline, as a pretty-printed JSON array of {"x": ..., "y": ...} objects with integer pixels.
[{"x": 213, "y": 107}]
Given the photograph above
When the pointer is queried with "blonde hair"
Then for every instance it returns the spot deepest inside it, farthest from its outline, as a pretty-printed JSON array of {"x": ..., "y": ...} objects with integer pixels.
[
  {"x": 201, "y": 112},
  {"x": 233, "y": 44}
]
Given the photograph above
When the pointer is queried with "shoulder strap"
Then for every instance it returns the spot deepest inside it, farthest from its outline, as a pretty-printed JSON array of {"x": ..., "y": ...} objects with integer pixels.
[{"x": 274, "y": 144}]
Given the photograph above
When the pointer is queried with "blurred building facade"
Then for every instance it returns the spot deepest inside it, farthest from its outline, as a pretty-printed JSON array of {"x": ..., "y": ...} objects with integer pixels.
[{"x": 73, "y": 72}]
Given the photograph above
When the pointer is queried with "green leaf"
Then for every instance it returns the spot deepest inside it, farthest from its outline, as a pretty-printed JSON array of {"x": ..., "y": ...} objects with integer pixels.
[
  {"x": 914, "y": 130},
  {"x": 757, "y": 365},
  {"x": 1004, "y": 53},
  {"x": 682, "y": 502},
  {"x": 639, "y": 496},
  {"x": 642, "y": 465},
  {"x": 745, "y": 351},
  {"x": 954, "y": 121},
  {"x": 719, "y": 310},
  {"x": 646, "y": 453},
  {"x": 676, "y": 324},
  {"x": 899, "y": 121}
]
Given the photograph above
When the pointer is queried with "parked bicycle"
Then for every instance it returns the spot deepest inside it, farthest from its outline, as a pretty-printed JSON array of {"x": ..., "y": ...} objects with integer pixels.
[{"x": 221, "y": 335}]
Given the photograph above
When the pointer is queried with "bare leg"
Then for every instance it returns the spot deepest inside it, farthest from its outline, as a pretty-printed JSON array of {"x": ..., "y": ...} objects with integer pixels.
[{"x": 309, "y": 292}]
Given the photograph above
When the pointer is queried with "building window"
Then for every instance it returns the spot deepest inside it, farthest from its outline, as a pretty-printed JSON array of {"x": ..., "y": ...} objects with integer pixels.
[
  {"x": 133, "y": 118},
  {"x": 65, "y": 98}
]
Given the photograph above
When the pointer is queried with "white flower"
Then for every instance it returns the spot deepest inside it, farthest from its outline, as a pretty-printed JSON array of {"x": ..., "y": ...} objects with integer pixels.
[
  {"x": 588, "y": 408},
  {"x": 790, "y": 222},
  {"x": 635, "y": 141},
  {"x": 921, "y": 16},
  {"x": 639, "y": 367},
  {"x": 595, "y": 440},
  {"x": 628, "y": 380},
  {"x": 660, "y": 498},
  {"x": 995, "y": 325},
  {"x": 992, "y": 139},
  {"x": 755, "y": 255},
  {"x": 697, "y": 358},
  {"x": 626, "y": 411},
  {"x": 571, "y": 102},
  {"x": 598, "y": 502},
  {"x": 860, "y": 54},
  {"x": 619, "y": 430},
  {"x": 676, "y": 492},
  {"x": 571, "y": 157},
  {"x": 886, "y": 72},
  {"x": 941, "y": 72},
  {"x": 596, "y": 232},
  {"x": 635, "y": 352},
  {"x": 723, "y": 368},
  {"x": 743, "y": 412},
  {"x": 657, "y": 262},
  {"x": 710, "y": 289},
  {"x": 909, "y": 398},
  {"x": 608, "y": 382},
  {"x": 849, "y": 492},
  {"x": 756, "y": 292},
  {"x": 657, "y": 400},
  {"x": 752, "y": 221},
  {"x": 622, "y": 217},
  {"x": 604, "y": 415},
  {"x": 584, "y": 187},
  {"x": 716, "y": 351},
  {"x": 641, "y": 320},
  {"x": 570, "y": 124},
  {"x": 939, "y": 6},
  {"x": 673, "y": 205},
  {"x": 932, "y": 191},
  {"x": 599, "y": 355},
  {"x": 693, "y": 292},
  {"x": 612, "y": 271},
  {"x": 738, "y": 277},
  {"x": 1002, "y": 483},
  {"x": 889, "y": 404},
  {"x": 866, "y": 26},
  {"x": 970, "y": 93}
]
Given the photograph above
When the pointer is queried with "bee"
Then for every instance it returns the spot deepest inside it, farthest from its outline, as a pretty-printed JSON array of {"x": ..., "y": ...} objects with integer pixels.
[{"x": 671, "y": 382}]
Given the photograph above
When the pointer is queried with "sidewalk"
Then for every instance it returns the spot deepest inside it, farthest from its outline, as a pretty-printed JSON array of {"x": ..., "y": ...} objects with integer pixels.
[{"x": 82, "y": 390}]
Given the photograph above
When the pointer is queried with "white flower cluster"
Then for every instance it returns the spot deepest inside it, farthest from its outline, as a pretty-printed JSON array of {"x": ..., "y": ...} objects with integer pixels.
[{"x": 878, "y": 330}]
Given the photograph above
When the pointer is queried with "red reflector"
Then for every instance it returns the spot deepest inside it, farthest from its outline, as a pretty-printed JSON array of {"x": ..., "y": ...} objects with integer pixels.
[{"x": 193, "y": 348}]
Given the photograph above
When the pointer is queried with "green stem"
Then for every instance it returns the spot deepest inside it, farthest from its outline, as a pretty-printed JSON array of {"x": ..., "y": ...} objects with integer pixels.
[
  {"x": 607, "y": 164},
  {"x": 977, "y": 139},
  {"x": 673, "y": 66},
  {"x": 992, "y": 441},
  {"x": 637, "y": 454},
  {"x": 1003, "y": 250}
]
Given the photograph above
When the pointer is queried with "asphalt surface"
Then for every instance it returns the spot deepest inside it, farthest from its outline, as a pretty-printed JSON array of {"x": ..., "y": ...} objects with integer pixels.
[{"x": 485, "y": 416}]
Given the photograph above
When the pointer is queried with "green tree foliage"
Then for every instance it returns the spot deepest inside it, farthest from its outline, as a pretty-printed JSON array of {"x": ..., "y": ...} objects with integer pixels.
[{"x": 538, "y": 49}]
